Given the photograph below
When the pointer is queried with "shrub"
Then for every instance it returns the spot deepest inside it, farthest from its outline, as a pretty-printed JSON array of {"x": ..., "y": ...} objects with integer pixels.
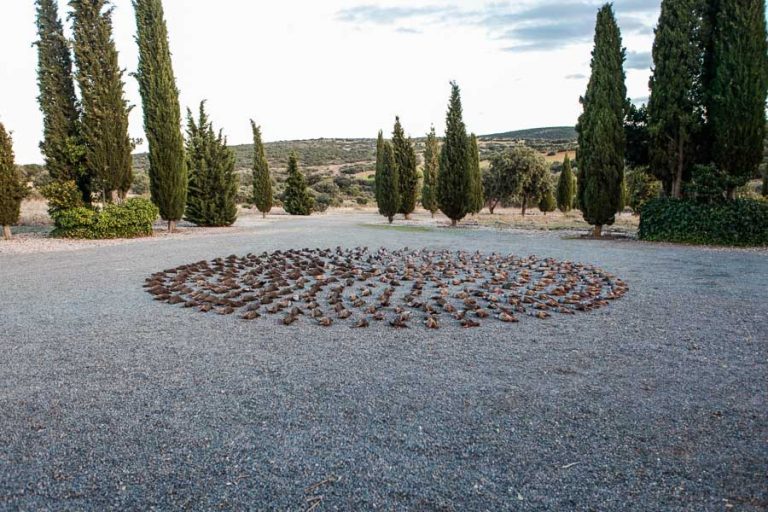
[
  {"x": 641, "y": 188},
  {"x": 741, "y": 222},
  {"x": 131, "y": 219},
  {"x": 62, "y": 195},
  {"x": 362, "y": 201}
]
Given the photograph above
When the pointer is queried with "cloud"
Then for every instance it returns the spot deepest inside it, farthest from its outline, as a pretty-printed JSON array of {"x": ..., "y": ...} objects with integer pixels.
[
  {"x": 407, "y": 30},
  {"x": 638, "y": 60},
  {"x": 550, "y": 25},
  {"x": 575, "y": 76}
]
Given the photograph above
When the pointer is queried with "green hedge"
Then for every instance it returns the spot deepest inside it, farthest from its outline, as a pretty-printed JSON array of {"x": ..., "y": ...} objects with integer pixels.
[
  {"x": 131, "y": 219},
  {"x": 742, "y": 222}
]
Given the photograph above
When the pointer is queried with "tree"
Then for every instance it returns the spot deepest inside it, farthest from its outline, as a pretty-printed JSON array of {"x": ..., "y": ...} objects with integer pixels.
[
  {"x": 565, "y": 187},
  {"x": 547, "y": 202},
  {"x": 262, "y": 181},
  {"x": 477, "y": 199},
  {"x": 168, "y": 178},
  {"x": 389, "y": 191},
  {"x": 213, "y": 184},
  {"x": 61, "y": 145},
  {"x": 737, "y": 85},
  {"x": 431, "y": 167},
  {"x": 518, "y": 172},
  {"x": 12, "y": 191},
  {"x": 408, "y": 177},
  {"x": 641, "y": 188},
  {"x": 673, "y": 109},
  {"x": 379, "y": 163},
  {"x": 297, "y": 200},
  {"x": 601, "y": 127},
  {"x": 454, "y": 177},
  {"x": 493, "y": 186},
  {"x": 638, "y": 138},
  {"x": 107, "y": 155}
]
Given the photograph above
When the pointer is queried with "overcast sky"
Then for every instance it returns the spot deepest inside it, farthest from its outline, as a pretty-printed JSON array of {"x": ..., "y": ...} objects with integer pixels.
[{"x": 345, "y": 68}]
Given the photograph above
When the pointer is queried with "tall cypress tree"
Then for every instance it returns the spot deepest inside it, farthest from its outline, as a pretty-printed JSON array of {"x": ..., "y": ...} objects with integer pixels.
[
  {"x": 673, "y": 110},
  {"x": 168, "y": 178},
  {"x": 601, "y": 126},
  {"x": 262, "y": 181},
  {"x": 61, "y": 143},
  {"x": 297, "y": 200},
  {"x": 379, "y": 163},
  {"x": 12, "y": 191},
  {"x": 454, "y": 180},
  {"x": 737, "y": 83},
  {"x": 565, "y": 187},
  {"x": 389, "y": 189},
  {"x": 431, "y": 166},
  {"x": 477, "y": 199},
  {"x": 105, "y": 111},
  {"x": 408, "y": 177},
  {"x": 213, "y": 184}
]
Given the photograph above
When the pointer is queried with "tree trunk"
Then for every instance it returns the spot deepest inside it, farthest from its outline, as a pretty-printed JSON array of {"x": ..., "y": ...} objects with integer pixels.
[
  {"x": 677, "y": 184},
  {"x": 407, "y": 216},
  {"x": 454, "y": 222},
  {"x": 6, "y": 232},
  {"x": 263, "y": 215},
  {"x": 390, "y": 218},
  {"x": 171, "y": 226},
  {"x": 525, "y": 204},
  {"x": 433, "y": 214},
  {"x": 597, "y": 231}
]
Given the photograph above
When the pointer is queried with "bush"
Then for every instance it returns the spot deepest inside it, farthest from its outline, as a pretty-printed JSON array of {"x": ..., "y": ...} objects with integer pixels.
[
  {"x": 741, "y": 222},
  {"x": 362, "y": 201},
  {"x": 62, "y": 195},
  {"x": 641, "y": 188},
  {"x": 131, "y": 219}
]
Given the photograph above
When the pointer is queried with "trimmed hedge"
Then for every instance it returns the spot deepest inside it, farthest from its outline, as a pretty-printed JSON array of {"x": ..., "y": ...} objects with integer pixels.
[
  {"x": 131, "y": 219},
  {"x": 742, "y": 222}
]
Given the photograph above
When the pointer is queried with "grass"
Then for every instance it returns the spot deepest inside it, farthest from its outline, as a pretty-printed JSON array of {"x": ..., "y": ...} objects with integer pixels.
[{"x": 554, "y": 221}]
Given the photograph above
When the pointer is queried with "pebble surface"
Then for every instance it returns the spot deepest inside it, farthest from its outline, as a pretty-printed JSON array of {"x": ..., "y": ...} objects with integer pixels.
[{"x": 111, "y": 401}]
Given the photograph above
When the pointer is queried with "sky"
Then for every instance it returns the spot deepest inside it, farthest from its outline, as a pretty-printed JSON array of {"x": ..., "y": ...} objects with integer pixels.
[{"x": 345, "y": 68}]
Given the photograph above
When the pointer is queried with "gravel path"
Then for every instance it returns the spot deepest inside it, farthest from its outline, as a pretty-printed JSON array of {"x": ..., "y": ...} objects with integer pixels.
[{"x": 111, "y": 401}]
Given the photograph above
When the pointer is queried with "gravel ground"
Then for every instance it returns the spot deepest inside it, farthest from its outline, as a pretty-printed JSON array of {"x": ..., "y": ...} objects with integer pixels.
[{"x": 112, "y": 401}]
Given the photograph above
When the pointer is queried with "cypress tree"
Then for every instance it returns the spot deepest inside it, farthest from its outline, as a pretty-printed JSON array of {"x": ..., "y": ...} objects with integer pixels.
[
  {"x": 673, "y": 110},
  {"x": 213, "y": 184},
  {"x": 12, "y": 191},
  {"x": 547, "y": 203},
  {"x": 168, "y": 178},
  {"x": 737, "y": 85},
  {"x": 477, "y": 198},
  {"x": 61, "y": 145},
  {"x": 408, "y": 177},
  {"x": 431, "y": 166},
  {"x": 454, "y": 179},
  {"x": 379, "y": 163},
  {"x": 389, "y": 190},
  {"x": 297, "y": 200},
  {"x": 601, "y": 126},
  {"x": 262, "y": 181},
  {"x": 565, "y": 187},
  {"x": 108, "y": 148}
]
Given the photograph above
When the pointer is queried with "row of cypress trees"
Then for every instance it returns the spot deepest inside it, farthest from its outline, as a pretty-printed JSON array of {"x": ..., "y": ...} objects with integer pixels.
[{"x": 451, "y": 178}]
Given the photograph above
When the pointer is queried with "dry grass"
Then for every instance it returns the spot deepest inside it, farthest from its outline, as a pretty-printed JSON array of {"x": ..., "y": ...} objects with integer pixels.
[
  {"x": 34, "y": 213},
  {"x": 509, "y": 218}
]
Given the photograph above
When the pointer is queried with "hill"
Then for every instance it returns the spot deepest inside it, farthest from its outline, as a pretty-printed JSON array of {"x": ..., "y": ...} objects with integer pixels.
[{"x": 552, "y": 133}]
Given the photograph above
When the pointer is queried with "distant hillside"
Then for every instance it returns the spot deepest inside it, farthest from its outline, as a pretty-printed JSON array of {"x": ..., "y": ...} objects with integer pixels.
[{"x": 553, "y": 133}]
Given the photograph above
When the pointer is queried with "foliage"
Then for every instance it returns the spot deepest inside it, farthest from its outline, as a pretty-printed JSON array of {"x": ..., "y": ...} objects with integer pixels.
[
  {"x": 105, "y": 111},
  {"x": 737, "y": 88},
  {"x": 641, "y": 188},
  {"x": 379, "y": 163},
  {"x": 636, "y": 132},
  {"x": 741, "y": 222},
  {"x": 708, "y": 184},
  {"x": 130, "y": 219},
  {"x": 547, "y": 202},
  {"x": 213, "y": 184},
  {"x": 140, "y": 185},
  {"x": 61, "y": 145},
  {"x": 565, "y": 187},
  {"x": 12, "y": 190},
  {"x": 519, "y": 173},
  {"x": 477, "y": 199},
  {"x": 62, "y": 195},
  {"x": 455, "y": 174},
  {"x": 168, "y": 179},
  {"x": 262, "y": 180},
  {"x": 431, "y": 168},
  {"x": 601, "y": 126},
  {"x": 389, "y": 191},
  {"x": 297, "y": 200},
  {"x": 407, "y": 175}
]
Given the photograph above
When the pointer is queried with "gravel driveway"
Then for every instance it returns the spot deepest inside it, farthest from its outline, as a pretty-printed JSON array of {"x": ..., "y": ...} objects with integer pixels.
[{"x": 110, "y": 401}]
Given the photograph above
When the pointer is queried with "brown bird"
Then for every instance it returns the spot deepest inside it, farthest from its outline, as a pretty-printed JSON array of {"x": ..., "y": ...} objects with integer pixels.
[
  {"x": 362, "y": 322},
  {"x": 432, "y": 323},
  {"x": 506, "y": 317},
  {"x": 324, "y": 321},
  {"x": 468, "y": 322}
]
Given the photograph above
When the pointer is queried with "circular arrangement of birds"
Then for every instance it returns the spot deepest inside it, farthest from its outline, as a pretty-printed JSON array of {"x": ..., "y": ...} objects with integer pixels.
[{"x": 401, "y": 288}]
